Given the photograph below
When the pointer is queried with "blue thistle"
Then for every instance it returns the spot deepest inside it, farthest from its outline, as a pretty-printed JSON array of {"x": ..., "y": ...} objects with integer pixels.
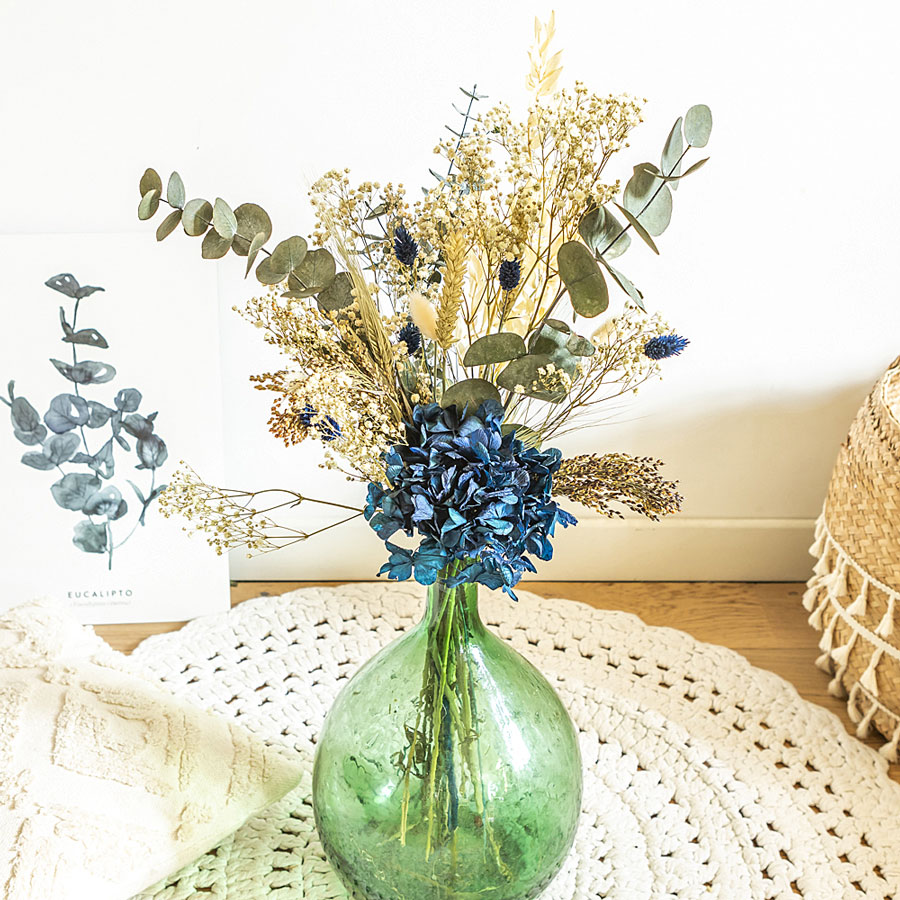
[
  {"x": 510, "y": 273},
  {"x": 329, "y": 428},
  {"x": 664, "y": 346},
  {"x": 411, "y": 336},
  {"x": 405, "y": 248}
]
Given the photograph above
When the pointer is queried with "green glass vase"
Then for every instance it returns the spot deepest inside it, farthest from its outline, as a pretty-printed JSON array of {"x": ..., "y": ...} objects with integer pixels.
[{"x": 448, "y": 767}]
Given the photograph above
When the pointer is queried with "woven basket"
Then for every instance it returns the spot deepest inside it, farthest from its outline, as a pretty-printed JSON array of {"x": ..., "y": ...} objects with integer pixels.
[{"x": 854, "y": 594}]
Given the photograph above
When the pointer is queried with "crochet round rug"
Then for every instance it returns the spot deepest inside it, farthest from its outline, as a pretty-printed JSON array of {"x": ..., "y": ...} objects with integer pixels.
[{"x": 704, "y": 776}]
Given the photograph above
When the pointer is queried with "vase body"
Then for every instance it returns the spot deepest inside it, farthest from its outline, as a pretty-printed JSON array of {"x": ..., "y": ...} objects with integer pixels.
[{"x": 447, "y": 767}]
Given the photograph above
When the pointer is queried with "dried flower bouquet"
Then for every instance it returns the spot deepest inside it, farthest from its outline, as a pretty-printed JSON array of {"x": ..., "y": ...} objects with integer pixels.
[{"x": 476, "y": 298}]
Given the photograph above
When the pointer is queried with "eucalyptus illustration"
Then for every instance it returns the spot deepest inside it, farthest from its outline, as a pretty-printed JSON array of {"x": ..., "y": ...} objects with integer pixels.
[{"x": 77, "y": 438}]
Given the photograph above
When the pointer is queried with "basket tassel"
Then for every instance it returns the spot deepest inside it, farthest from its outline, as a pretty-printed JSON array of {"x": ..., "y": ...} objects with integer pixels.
[
  {"x": 828, "y": 635},
  {"x": 823, "y": 662},
  {"x": 889, "y": 750},
  {"x": 886, "y": 626},
  {"x": 858, "y": 606},
  {"x": 868, "y": 679},
  {"x": 822, "y": 567},
  {"x": 815, "y": 618},
  {"x": 811, "y": 594},
  {"x": 862, "y": 730},
  {"x": 838, "y": 586},
  {"x": 819, "y": 543},
  {"x": 841, "y": 657},
  {"x": 853, "y": 704}
]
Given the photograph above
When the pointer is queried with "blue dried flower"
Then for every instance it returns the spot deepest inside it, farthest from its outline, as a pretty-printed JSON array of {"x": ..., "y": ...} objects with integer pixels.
[
  {"x": 510, "y": 273},
  {"x": 327, "y": 427},
  {"x": 664, "y": 346},
  {"x": 476, "y": 498},
  {"x": 405, "y": 248},
  {"x": 411, "y": 336}
]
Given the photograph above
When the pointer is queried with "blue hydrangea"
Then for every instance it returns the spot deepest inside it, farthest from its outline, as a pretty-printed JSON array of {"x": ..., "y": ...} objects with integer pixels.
[
  {"x": 474, "y": 496},
  {"x": 411, "y": 336},
  {"x": 326, "y": 426},
  {"x": 405, "y": 248},
  {"x": 509, "y": 274},
  {"x": 664, "y": 346}
]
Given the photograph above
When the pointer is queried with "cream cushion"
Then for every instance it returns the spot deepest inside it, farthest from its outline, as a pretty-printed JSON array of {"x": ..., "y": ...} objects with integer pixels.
[{"x": 108, "y": 782}]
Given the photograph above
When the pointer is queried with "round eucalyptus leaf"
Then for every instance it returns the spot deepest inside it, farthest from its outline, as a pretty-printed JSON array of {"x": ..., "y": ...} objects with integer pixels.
[
  {"x": 149, "y": 205},
  {"x": 550, "y": 338},
  {"x": 224, "y": 220},
  {"x": 150, "y": 181},
  {"x": 471, "y": 393},
  {"x": 583, "y": 279},
  {"x": 299, "y": 293},
  {"x": 288, "y": 255},
  {"x": 580, "y": 346},
  {"x": 38, "y": 461},
  {"x": 128, "y": 399},
  {"x": 525, "y": 372},
  {"x": 604, "y": 233},
  {"x": 60, "y": 448},
  {"x": 266, "y": 273},
  {"x": 338, "y": 295},
  {"x": 495, "y": 348},
  {"x": 670, "y": 161},
  {"x": 104, "y": 502},
  {"x": 648, "y": 199},
  {"x": 558, "y": 325},
  {"x": 214, "y": 246},
  {"x": 26, "y": 422},
  {"x": 316, "y": 270},
  {"x": 24, "y": 416},
  {"x": 528, "y": 436},
  {"x": 168, "y": 224},
  {"x": 65, "y": 284},
  {"x": 137, "y": 425},
  {"x": 565, "y": 360},
  {"x": 90, "y": 538},
  {"x": 698, "y": 125},
  {"x": 87, "y": 372},
  {"x": 67, "y": 411},
  {"x": 73, "y": 490},
  {"x": 175, "y": 191},
  {"x": 30, "y": 438},
  {"x": 152, "y": 452},
  {"x": 89, "y": 337},
  {"x": 251, "y": 221},
  {"x": 196, "y": 217},
  {"x": 100, "y": 414}
]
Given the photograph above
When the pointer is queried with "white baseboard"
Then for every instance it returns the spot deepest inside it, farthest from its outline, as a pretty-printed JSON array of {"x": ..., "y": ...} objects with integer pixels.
[{"x": 678, "y": 549}]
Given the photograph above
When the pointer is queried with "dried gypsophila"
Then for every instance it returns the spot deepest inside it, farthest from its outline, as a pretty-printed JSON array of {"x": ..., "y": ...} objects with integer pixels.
[
  {"x": 307, "y": 404},
  {"x": 228, "y": 518}
]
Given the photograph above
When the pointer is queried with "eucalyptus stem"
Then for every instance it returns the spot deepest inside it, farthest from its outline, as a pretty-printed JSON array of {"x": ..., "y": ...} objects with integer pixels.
[{"x": 435, "y": 750}]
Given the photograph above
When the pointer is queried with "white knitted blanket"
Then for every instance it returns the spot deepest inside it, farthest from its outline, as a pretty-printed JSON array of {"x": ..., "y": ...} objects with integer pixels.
[{"x": 704, "y": 777}]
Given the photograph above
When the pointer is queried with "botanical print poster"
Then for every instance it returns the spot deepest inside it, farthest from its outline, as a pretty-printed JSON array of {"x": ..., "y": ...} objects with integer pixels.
[{"x": 109, "y": 375}]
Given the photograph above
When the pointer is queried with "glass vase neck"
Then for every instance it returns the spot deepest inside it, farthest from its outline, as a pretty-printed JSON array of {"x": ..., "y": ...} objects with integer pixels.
[{"x": 459, "y": 601}]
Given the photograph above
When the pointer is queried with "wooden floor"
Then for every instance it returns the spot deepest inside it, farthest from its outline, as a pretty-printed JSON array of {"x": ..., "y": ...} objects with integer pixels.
[{"x": 764, "y": 622}]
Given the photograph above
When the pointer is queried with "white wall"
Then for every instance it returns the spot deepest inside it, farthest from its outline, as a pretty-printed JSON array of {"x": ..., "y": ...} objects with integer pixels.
[{"x": 780, "y": 264}]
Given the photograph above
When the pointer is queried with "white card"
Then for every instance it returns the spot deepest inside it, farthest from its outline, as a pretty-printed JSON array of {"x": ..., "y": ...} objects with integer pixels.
[{"x": 71, "y": 524}]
